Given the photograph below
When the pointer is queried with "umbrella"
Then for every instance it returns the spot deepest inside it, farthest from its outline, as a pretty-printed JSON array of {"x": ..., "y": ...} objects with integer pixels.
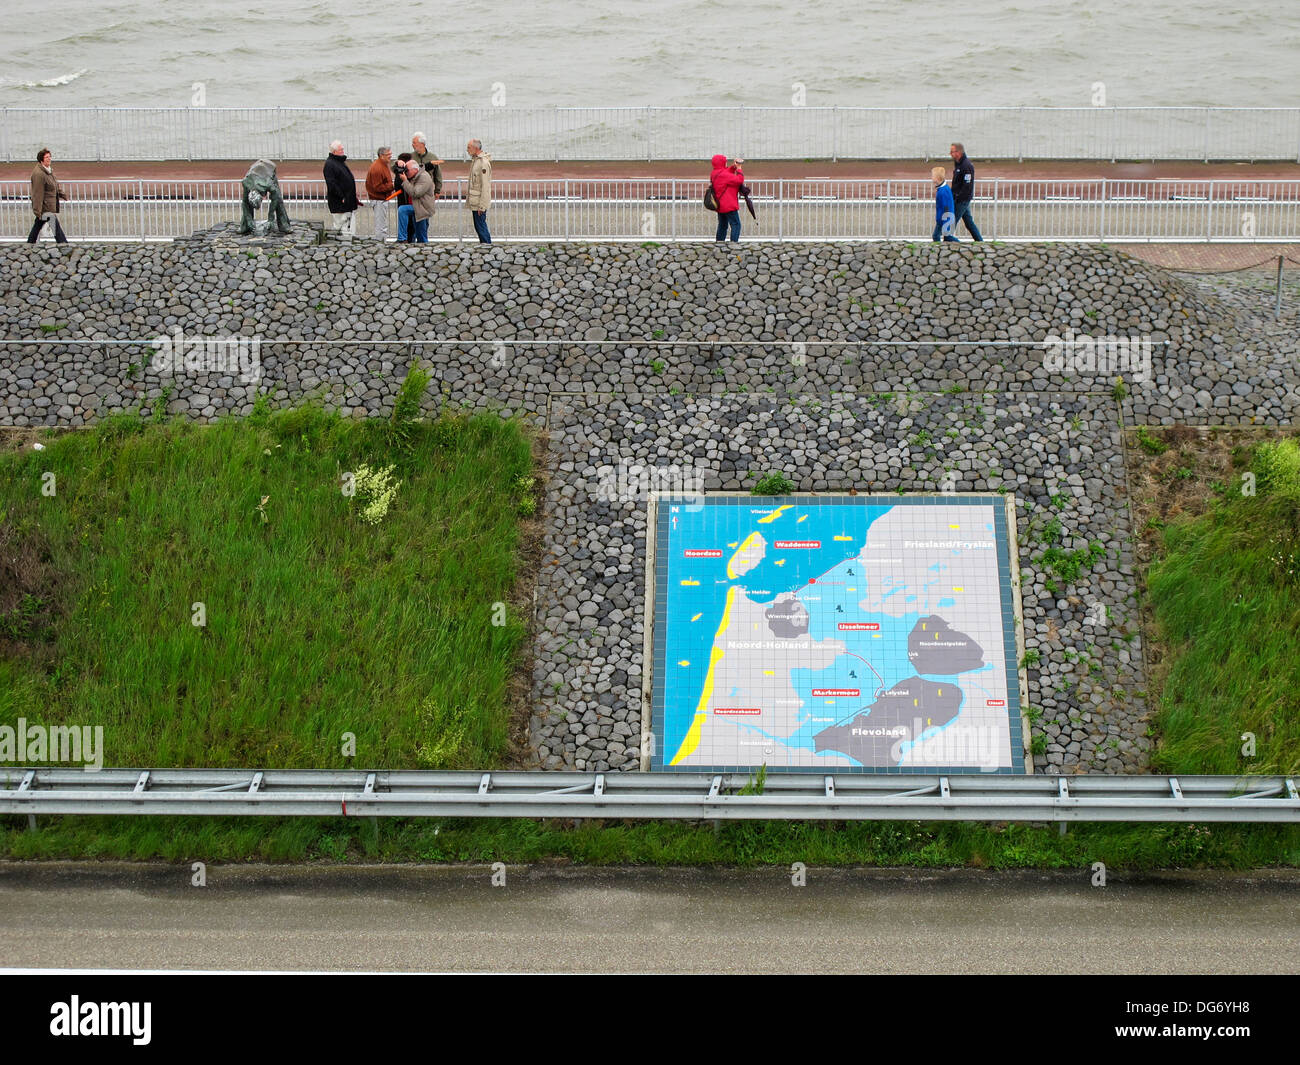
[{"x": 746, "y": 192}]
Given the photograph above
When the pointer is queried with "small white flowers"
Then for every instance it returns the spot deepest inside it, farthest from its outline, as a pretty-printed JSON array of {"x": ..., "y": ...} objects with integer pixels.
[{"x": 376, "y": 489}]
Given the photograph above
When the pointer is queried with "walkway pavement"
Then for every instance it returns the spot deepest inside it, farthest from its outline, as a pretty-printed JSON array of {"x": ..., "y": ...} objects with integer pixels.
[{"x": 1203, "y": 258}]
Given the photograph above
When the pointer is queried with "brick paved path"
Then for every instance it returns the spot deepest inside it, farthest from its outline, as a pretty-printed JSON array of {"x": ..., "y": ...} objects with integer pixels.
[{"x": 1212, "y": 258}]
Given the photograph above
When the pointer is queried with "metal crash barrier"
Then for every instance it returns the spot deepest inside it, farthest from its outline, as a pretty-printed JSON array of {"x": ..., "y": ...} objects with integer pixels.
[{"x": 643, "y": 796}]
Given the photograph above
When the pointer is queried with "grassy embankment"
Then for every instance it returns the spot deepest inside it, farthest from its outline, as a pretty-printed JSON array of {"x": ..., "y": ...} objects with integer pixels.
[
  {"x": 1225, "y": 593},
  {"x": 315, "y": 622},
  {"x": 320, "y": 624}
]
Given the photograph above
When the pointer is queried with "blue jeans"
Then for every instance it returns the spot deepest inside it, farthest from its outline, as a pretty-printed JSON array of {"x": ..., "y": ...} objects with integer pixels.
[
  {"x": 728, "y": 220},
  {"x": 480, "y": 227},
  {"x": 963, "y": 215},
  {"x": 951, "y": 222},
  {"x": 408, "y": 227}
]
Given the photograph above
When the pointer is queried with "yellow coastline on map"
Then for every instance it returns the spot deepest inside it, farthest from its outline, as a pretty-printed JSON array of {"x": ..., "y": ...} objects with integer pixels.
[{"x": 692, "y": 737}]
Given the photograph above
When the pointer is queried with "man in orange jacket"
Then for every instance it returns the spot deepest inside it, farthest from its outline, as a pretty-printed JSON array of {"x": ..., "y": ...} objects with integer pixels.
[{"x": 380, "y": 189}]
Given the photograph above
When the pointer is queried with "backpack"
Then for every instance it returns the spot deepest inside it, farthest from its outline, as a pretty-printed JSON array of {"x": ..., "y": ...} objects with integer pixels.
[{"x": 710, "y": 198}]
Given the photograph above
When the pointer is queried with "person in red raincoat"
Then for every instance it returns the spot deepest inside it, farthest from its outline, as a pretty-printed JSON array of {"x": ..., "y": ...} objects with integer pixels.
[{"x": 726, "y": 181}]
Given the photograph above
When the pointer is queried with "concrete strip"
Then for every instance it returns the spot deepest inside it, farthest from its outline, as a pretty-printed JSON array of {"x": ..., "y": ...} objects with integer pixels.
[{"x": 628, "y": 920}]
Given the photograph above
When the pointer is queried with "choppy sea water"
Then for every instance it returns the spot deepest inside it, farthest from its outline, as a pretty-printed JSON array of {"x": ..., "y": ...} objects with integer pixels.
[{"x": 629, "y": 52}]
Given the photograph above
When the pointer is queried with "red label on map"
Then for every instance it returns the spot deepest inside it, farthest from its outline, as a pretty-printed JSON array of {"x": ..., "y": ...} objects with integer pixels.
[
  {"x": 700, "y": 552},
  {"x": 787, "y": 545},
  {"x": 737, "y": 710},
  {"x": 859, "y": 626},
  {"x": 850, "y": 692},
  {"x": 995, "y": 702}
]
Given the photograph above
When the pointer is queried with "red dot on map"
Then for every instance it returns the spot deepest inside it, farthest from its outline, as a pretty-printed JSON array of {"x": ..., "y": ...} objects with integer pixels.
[{"x": 812, "y": 580}]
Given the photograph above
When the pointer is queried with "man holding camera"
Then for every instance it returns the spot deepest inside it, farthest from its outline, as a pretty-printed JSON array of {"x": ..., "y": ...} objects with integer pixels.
[
  {"x": 413, "y": 218},
  {"x": 726, "y": 180}
]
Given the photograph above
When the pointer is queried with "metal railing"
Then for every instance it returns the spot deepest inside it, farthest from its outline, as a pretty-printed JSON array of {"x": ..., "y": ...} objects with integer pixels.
[
  {"x": 670, "y": 209},
  {"x": 683, "y": 796},
  {"x": 650, "y": 133}
]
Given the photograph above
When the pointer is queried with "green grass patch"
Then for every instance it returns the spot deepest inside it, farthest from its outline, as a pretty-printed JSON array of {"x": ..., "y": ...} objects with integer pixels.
[
  {"x": 772, "y": 484},
  {"x": 1152, "y": 445},
  {"x": 316, "y": 623},
  {"x": 1226, "y": 596},
  {"x": 655, "y": 843}
]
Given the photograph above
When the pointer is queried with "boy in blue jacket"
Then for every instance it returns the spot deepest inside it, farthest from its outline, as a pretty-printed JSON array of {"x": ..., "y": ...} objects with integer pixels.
[{"x": 945, "y": 215}]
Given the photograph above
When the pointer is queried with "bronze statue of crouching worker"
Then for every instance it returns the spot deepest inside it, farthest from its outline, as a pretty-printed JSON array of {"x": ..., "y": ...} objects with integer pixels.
[{"x": 260, "y": 181}]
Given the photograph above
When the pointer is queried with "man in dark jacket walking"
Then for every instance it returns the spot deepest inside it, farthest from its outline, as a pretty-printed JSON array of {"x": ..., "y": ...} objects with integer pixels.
[
  {"x": 46, "y": 195},
  {"x": 963, "y": 189},
  {"x": 341, "y": 192}
]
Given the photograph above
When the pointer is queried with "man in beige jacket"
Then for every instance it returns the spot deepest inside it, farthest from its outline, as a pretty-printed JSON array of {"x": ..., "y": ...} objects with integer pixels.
[
  {"x": 479, "y": 194},
  {"x": 46, "y": 195}
]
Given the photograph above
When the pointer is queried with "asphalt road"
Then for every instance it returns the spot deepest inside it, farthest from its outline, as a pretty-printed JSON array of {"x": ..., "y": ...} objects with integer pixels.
[{"x": 55, "y": 915}]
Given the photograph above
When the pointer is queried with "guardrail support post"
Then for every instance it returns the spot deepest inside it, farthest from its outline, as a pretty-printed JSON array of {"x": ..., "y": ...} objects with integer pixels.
[
  {"x": 780, "y": 209},
  {"x": 556, "y": 130},
  {"x": 140, "y": 190},
  {"x": 1209, "y": 210},
  {"x": 1101, "y": 224},
  {"x": 672, "y": 211},
  {"x": 835, "y": 134},
  {"x": 649, "y": 135}
]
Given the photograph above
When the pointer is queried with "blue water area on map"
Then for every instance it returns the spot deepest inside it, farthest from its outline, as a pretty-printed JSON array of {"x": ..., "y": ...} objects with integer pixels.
[{"x": 827, "y": 581}]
